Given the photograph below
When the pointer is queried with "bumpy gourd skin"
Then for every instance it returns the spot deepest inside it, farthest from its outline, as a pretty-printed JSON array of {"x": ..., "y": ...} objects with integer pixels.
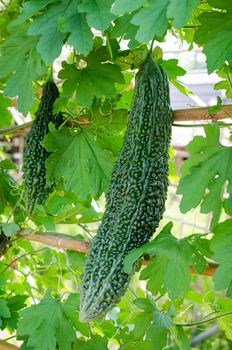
[
  {"x": 4, "y": 243},
  {"x": 137, "y": 194},
  {"x": 35, "y": 154}
]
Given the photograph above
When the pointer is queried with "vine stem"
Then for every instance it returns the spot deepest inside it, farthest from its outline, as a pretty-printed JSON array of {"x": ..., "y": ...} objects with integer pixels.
[
  {"x": 4, "y": 340},
  {"x": 205, "y": 321},
  {"x": 14, "y": 128},
  {"x": 22, "y": 256}
]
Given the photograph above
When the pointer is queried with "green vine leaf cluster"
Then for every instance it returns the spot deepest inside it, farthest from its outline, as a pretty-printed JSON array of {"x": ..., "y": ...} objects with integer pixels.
[
  {"x": 50, "y": 314},
  {"x": 34, "y": 37},
  {"x": 206, "y": 175},
  {"x": 169, "y": 269},
  {"x": 93, "y": 48},
  {"x": 93, "y": 164}
]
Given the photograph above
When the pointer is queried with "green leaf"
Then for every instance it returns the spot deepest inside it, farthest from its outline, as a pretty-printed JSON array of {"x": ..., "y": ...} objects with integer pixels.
[
  {"x": 72, "y": 306},
  {"x": 205, "y": 173},
  {"x": 215, "y": 32},
  {"x": 19, "y": 56},
  {"x": 172, "y": 166},
  {"x": 123, "y": 6},
  {"x": 45, "y": 324},
  {"x": 7, "y": 164},
  {"x": 224, "y": 85},
  {"x": 54, "y": 23},
  {"x": 158, "y": 331},
  {"x": 79, "y": 159},
  {"x": 157, "y": 54},
  {"x": 175, "y": 279},
  {"x": 51, "y": 39},
  {"x": 20, "y": 84},
  {"x": 15, "y": 303},
  {"x": 5, "y": 115},
  {"x": 111, "y": 129},
  {"x": 4, "y": 311},
  {"x": 215, "y": 109},
  {"x": 225, "y": 72},
  {"x": 144, "y": 304},
  {"x": 182, "y": 88},
  {"x": 81, "y": 37},
  {"x": 148, "y": 248},
  {"x": 9, "y": 194},
  {"x": 96, "y": 342},
  {"x": 95, "y": 80},
  {"x": 64, "y": 207},
  {"x": 172, "y": 69},
  {"x": 141, "y": 323},
  {"x": 221, "y": 245},
  {"x": 10, "y": 229},
  {"x": 152, "y": 20},
  {"x": 225, "y": 322},
  {"x": 227, "y": 205},
  {"x": 150, "y": 327},
  {"x": 170, "y": 266},
  {"x": 30, "y": 8},
  {"x": 180, "y": 338},
  {"x": 180, "y": 11},
  {"x": 132, "y": 344},
  {"x": 98, "y": 13},
  {"x": 112, "y": 124},
  {"x": 75, "y": 260},
  {"x": 223, "y": 41},
  {"x": 124, "y": 28}
]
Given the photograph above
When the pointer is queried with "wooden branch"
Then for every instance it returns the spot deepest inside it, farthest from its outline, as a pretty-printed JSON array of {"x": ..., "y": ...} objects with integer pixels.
[
  {"x": 63, "y": 241},
  {"x": 57, "y": 240},
  {"x": 201, "y": 113},
  {"x": 209, "y": 271},
  {"x": 179, "y": 115},
  {"x": 8, "y": 346}
]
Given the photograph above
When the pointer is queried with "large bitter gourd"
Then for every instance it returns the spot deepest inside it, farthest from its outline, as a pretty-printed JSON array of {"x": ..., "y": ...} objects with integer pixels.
[
  {"x": 35, "y": 155},
  {"x": 136, "y": 199}
]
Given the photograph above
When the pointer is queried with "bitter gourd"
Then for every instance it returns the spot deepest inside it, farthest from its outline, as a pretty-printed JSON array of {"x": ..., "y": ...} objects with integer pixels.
[
  {"x": 137, "y": 193},
  {"x": 35, "y": 155},
  {"x": 4, "y": 243}
]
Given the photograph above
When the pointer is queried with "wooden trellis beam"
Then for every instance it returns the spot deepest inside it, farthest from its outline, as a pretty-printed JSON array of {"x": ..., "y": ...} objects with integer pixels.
[
  {"x": 179, "y": 115},
  {"x": 202, "y": 113},
  {"x": 63, "y": 241},
  {"x": 8, "y": 346}
]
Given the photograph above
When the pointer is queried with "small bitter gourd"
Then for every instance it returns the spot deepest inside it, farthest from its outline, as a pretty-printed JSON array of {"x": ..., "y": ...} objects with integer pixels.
[
  {"x": 35, "y": 155},
  {"x": 4, "y": 243},
  {"x": 136, "y": 199}
]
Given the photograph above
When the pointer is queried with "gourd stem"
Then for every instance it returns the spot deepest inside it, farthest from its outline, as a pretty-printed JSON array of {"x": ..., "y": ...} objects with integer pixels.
[{"x": 152, "y": 44}]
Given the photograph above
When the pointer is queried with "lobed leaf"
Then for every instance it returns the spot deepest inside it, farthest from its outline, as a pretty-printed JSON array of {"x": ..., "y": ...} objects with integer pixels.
[
  {"x": 97, "y": 79},
  {"x": 45, "y": 324},
  {"x": 221, "y": 246},
  {"x": 80, "y": 160}
]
